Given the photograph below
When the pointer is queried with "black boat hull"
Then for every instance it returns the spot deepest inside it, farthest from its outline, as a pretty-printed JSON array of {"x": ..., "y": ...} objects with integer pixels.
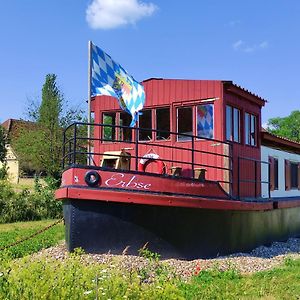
[{"x": 101, "y": 227}]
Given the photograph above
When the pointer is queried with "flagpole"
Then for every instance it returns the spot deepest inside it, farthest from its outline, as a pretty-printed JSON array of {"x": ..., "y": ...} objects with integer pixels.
[{"x": 89, "y": 101}]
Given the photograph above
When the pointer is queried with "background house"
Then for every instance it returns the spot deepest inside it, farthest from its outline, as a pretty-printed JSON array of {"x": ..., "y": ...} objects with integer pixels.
[
  {"x": 12, "y": 164},
  {"x": 17, "y": 169}
]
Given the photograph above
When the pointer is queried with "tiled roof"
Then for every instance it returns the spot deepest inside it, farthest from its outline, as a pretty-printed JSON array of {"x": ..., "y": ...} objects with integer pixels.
[
  {"x": 270, "y": 139},
  {"x": 14, "y": 127}
]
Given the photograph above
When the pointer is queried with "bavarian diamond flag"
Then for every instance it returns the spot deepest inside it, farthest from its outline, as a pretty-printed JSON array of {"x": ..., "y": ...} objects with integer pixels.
[{"x": 110, "y": 79}]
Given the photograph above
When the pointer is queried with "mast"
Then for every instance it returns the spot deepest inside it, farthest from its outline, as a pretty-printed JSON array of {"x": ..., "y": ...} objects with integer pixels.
[{"x": 89, "y": 102}]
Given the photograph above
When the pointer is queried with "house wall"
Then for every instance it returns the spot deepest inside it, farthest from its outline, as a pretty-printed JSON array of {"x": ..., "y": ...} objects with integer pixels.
[
  {"x": 13, "y": 171},
  {"x": 12, "y": 164},
  {"x": 281, "y": 156}
]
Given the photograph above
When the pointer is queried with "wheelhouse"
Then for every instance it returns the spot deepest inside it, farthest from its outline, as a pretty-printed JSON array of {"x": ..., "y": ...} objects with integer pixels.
[{"x": 194, "y": 126}]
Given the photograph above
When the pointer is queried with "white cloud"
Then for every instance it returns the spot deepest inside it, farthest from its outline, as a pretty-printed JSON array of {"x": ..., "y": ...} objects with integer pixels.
[
  {"x": 263, "y": 45},
  {"x": 234, "y": 23},
  {"x": 250, "y": 49},
  {"x": 108, "y": 14},
  {"x": 244, "y": 47},
  {"x": 237, "y": 45}
]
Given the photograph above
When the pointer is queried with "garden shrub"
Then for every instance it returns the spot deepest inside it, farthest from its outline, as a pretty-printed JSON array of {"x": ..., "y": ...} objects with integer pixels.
[
  {"x": 3, "y": 171},
  {"x": 28, "y": 205}
]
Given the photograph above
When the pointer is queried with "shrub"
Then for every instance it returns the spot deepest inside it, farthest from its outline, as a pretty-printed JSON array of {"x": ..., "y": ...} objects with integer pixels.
[
  {"x": 3, "y": 171},
  {"x": 28, "y": 205}
]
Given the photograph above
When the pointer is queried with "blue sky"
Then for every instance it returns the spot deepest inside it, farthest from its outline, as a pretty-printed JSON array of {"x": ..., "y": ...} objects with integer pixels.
[{"x": 254, "y": 43}]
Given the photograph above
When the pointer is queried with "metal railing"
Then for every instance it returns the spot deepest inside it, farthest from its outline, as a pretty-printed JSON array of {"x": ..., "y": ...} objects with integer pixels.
[{"x": 75, "y": 148}]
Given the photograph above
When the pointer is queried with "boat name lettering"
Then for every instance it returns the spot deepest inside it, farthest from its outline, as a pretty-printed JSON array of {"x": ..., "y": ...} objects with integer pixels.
[{"x": 116, "y": 180}]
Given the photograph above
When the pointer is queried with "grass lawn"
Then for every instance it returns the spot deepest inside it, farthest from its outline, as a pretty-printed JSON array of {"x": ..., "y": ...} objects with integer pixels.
[
  {"x": 279, "y": 283},
  {"x": 10, "y": 233},
  {"x": 48, "y": 278}
]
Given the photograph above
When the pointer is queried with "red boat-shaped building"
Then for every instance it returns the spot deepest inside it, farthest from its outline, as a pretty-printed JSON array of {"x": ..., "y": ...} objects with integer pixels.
[{"x": 197, "y": 177}]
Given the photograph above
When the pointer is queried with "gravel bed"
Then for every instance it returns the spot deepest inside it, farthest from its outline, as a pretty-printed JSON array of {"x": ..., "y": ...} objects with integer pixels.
[{"x": 259, "y": 259}]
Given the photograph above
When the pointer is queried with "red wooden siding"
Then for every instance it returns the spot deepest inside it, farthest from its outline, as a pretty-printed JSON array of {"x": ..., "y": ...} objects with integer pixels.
[
  {"x": 173, "y": 93},
  {"x": 178, "y": 93},
  {"x": 247, "y": 168}
]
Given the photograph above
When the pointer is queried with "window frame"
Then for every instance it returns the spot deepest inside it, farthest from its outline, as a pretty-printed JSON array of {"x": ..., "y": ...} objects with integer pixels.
[
  {"x": 156, "y": 128},
  {"x": 288, "y": 174},
  {"x": 192, "y": 107},
  {"x": 274, "y": 173},
  {"x": 120, "y": 130},
  {"x": 151, "y": 128},
  {"x": 114, "y": 129},
  {"x": 232, "y": 123},
  {"x": 295, "y": 178},
  {"x": 248, "y": 138}
]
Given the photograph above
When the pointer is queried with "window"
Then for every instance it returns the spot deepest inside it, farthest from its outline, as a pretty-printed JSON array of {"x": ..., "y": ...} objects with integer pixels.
[
  {"x": 184, "y": 122},
  {"x": 228, "y": 123},
  {"x": 247, "y": 129},
  {"x": 125, "y": 134},
  {"x": 233, "y": 124},
  {"x": 145, "y": 121},
  {"x": 236, "y": 125},
  {"x": 163, "y": 123},
  {"x": 109, "y": 132},
  {"x": 205, "y": 121},
  {"x": 250, "y": 129},
  {"x": 292, "y": 174},
  {"x": 273, "y": 175}
]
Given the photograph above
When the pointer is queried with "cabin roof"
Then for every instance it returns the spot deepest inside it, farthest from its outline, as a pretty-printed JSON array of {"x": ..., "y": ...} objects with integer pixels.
[
  {"x": 239, "y": 90},
  {"x": 274, "y": 141}
]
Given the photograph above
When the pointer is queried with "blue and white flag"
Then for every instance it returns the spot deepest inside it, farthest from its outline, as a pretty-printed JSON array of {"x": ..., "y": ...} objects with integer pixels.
[{"x": 110, "y": 79}]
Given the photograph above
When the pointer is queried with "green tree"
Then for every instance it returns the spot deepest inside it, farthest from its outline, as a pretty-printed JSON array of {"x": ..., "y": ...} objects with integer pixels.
[
  {"x": 2, "y": 145},
  {"x": 288, "y": 127},
  {"x": 50, "y": 131},
  {"x": 42, "y": 146},
  {"x": 3, "y": 170}
]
